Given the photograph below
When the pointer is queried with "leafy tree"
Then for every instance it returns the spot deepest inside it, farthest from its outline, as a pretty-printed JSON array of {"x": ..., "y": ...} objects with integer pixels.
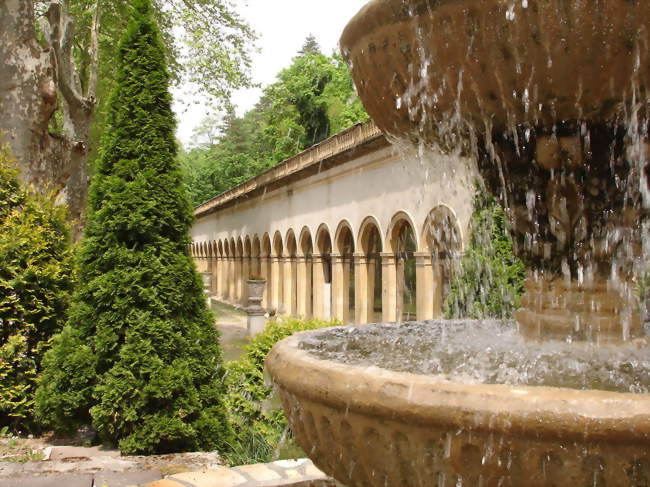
[
  {"x": 35, "y": 286},
  {"x": 490, "y": 280},
  {"x": 57, "y": 63},
  {"x": 139, "y": 356},
  {"x": 311, "y": 100}
]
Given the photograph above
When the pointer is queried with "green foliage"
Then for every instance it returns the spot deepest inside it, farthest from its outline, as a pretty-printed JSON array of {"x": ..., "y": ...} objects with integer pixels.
[
  {"x": 35, "y": 285},
  {"x": 258, "y": 427},
  {"x": 139, "y": 356},
  {"x": 311, "y": 100},
  {"x": 490, "y": 280}
]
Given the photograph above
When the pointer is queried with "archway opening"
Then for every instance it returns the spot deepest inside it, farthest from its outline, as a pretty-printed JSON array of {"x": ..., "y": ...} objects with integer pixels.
[
  {"x": 372, "y": 248},
  {"x": 404, "y": 247},
  {"x": 345, "y": 249},
  {"x": 290, "y": 274},
  {"x": 324, "y": 245},
  {"x": 442, "y": 239},
  {"x": 305, "y": 288}
]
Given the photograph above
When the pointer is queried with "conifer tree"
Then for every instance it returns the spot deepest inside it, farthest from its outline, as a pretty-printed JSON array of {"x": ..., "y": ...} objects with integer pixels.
[{"x": 139, "y": 357}]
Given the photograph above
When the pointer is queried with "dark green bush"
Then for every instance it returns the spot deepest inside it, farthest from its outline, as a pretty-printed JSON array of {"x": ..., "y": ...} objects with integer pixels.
[
  {"x": 258, "y": 425},
  {"x": 489, "y": 283},
  {"x": 35, "y": 286},
  {"x": 140, "y": 356}
]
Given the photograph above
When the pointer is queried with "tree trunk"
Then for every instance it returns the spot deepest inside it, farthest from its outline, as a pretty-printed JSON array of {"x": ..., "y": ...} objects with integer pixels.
[{"x": 31, "y": 78}]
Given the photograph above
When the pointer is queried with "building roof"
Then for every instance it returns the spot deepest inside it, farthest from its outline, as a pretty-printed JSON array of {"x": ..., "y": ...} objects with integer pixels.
[{"x": 338, "y": 149}]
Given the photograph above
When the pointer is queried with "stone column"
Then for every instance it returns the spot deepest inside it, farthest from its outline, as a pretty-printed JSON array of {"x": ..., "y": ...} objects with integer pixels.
[
  {"x": 437, "y": 290},
  {"x": 265, "y": 265},
  {"x": 319, "y": 282},
  {"x": 289, "y": 284},
  {"x": 216, "y": 268},
  {"x": 245, "y": 274},
  {"x": 340, "y": 294},
  {"x": 303, "y": 286},
  {"x": 424, "y": 302},
  {"x": 364, "y": 286},
  {"x": 276, "y": 278},
  {"x": 231, "y": 279},
  {"x": 389, "y": 287},
  {"x": 236, "y": 299}
]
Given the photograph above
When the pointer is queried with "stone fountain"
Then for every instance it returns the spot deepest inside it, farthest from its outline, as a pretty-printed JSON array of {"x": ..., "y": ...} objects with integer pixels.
[{"x": 550, "y": 97}]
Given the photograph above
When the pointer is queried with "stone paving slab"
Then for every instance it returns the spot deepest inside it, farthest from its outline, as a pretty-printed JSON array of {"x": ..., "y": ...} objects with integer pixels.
[
  {"x": 126, "y": 479},
  {"x": 294, "y": 473},
  {"x": 56, "y": 480},
  {"x": 74, "y": 452}
]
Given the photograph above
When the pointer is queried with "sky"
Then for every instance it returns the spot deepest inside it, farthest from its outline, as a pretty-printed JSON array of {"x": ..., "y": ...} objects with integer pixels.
[{"x": 281, "y": 26}]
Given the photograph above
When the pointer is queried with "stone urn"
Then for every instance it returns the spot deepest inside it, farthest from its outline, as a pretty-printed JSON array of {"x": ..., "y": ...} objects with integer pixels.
[
  {"x": 550, "y": 97},
  {"x": 255, "y": 292},
  {"x": 256, "y": 313}
]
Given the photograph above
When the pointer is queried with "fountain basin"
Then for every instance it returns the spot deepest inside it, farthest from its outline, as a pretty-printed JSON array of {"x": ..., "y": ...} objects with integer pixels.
[
  {"x": 369, "y": 426},
  {"x": 423, "y": 66}
]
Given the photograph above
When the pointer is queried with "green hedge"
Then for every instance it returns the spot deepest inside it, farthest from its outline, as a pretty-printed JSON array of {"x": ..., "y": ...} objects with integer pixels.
[
  {"x": 35, "y": 285},
  {"x": 489, "y": 283},
  {"x": 258, "y": 426}
]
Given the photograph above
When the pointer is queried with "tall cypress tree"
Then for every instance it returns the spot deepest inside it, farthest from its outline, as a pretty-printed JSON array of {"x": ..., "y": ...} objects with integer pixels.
[{"x": 139, "y": 356}]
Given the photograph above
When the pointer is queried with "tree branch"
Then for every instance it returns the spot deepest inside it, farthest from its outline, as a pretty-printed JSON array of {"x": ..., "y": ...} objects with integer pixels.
[
  {"x": 60, "y": 39},
  {"x": 91, "y": 95}
]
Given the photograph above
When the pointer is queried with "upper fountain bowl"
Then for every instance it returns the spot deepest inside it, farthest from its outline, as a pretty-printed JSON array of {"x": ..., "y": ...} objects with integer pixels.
[{"x": 424, "y": 67}]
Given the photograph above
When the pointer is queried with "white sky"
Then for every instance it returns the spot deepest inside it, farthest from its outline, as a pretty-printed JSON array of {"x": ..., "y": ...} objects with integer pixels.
[{"x": 281, "y": 26}]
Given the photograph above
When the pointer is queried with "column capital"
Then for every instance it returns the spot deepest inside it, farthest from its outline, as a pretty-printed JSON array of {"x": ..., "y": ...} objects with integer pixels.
[
  {"x": 360, "y": 258},
  {"x": 387, "y": 256}
]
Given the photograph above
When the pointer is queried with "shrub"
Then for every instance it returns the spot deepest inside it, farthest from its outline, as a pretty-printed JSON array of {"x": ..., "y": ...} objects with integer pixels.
[
  {"x": 35, "y": 285},
  {"x": 259, "y": 427},
  {"x": 489, "y": 283},
  {"x": 140, "y": 355}
]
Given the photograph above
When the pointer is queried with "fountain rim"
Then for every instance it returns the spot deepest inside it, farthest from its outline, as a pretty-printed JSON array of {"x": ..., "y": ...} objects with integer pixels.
[
  {"x": 539, "y": 411},
  {"x": 373, "y": 15}
]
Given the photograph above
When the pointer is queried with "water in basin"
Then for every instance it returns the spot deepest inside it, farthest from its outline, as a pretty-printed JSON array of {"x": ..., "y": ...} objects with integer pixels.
[{"x": 488, "y": 351}]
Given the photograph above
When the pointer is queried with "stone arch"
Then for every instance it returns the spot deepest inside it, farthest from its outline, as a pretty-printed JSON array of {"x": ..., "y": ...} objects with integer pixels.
[
  {"x": 305, "y": 282},
  {"x": 323, "y": 240},
  {"x": 256, "y": 246},
  {"x": 343, "y": 292},
  {"x": 239, "y": 249},
  {"x": 290, "y": 276},
  {"x": 369, "y": 227},
  {"x": 322, "y": 270},
  {"x": 402, "y": 242},
  {"x": 278, "y": 244},
  {"x": 220, "y": 248},
  {"x": 266, "y": 245},
  {"x": 369, "y": 288},
  {"x": 277, "y": 273},
  {"x": 232, "y": 248},
  {"x": 442, "y": 245},
  {"x": 441, "y": 231},
  {"x": 247, "y": 246},
  {"x": 344, "y": 242},
  {"x": 266, "y": 268},
  {"x": 291, "y": 247},
  {"x": 256, "y": 253},
  {"x": 306, "y": 244},
  {"x": 398, "y": 223}
]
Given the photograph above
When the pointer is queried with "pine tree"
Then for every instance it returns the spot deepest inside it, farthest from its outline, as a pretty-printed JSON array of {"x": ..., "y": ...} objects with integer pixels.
[{"x": 139, "y": 356}]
